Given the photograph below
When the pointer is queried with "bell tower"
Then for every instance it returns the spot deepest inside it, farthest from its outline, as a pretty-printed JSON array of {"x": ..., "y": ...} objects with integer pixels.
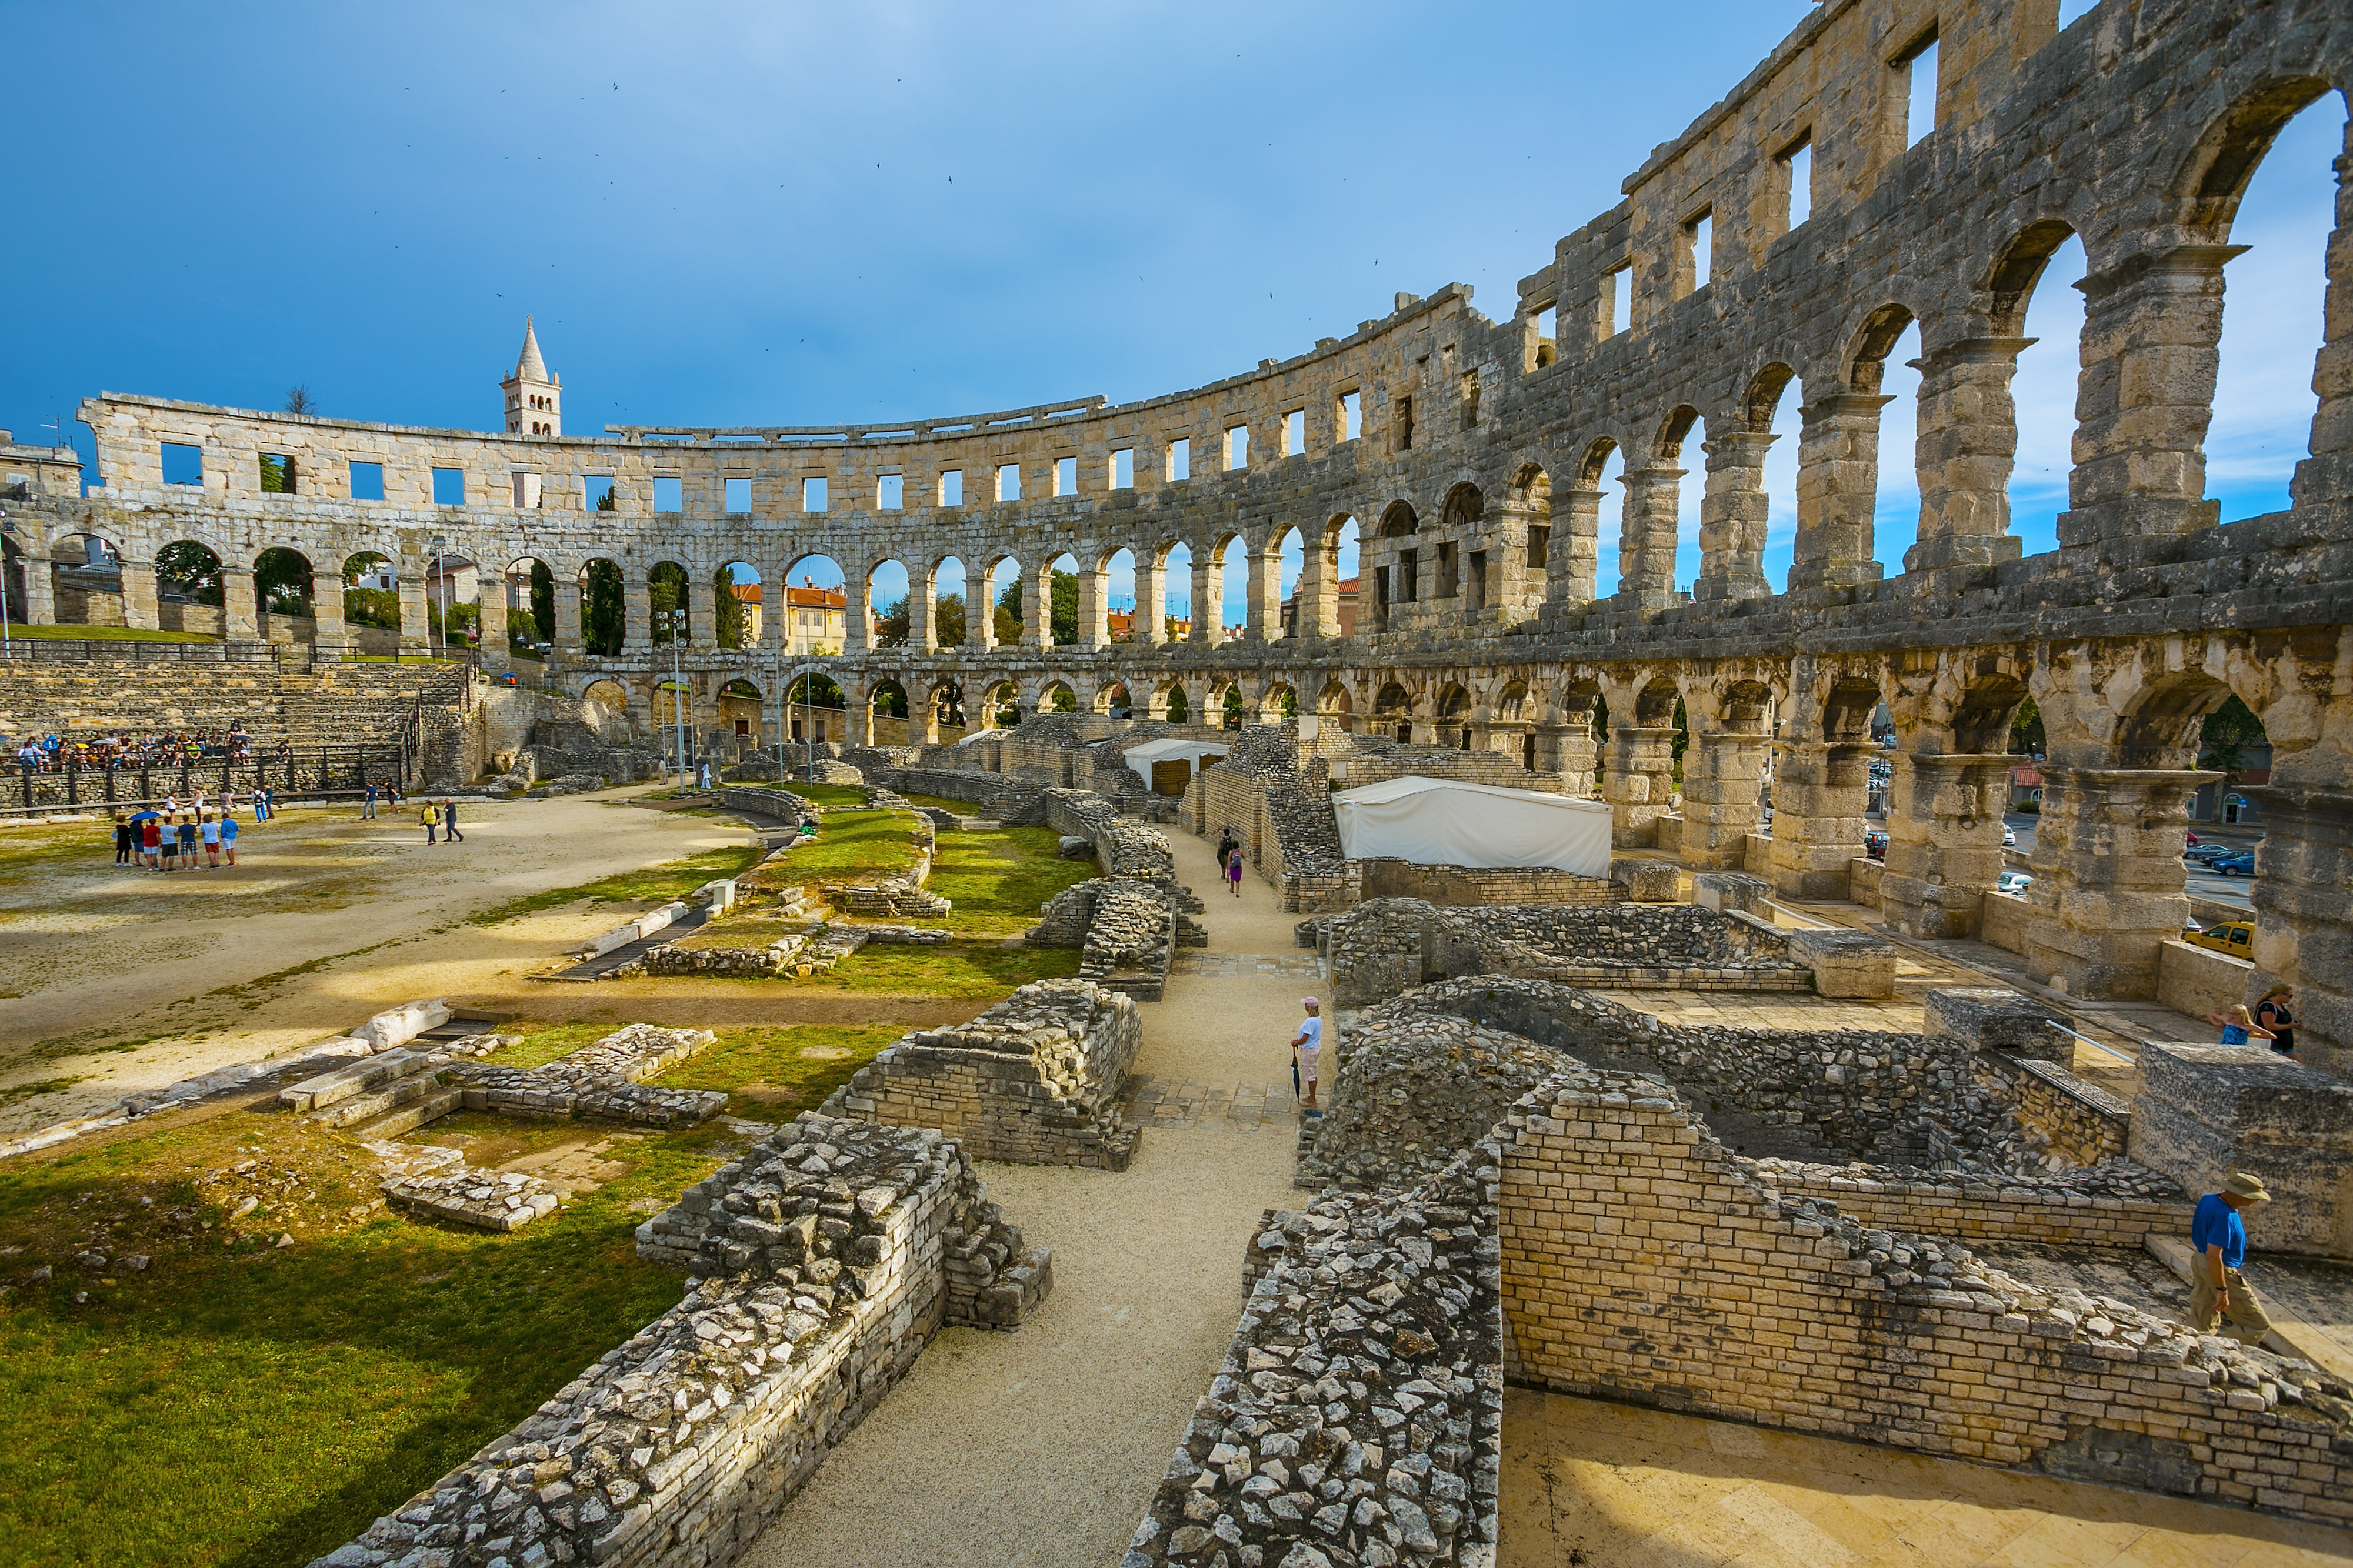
[{"x": 535, "y": 395}]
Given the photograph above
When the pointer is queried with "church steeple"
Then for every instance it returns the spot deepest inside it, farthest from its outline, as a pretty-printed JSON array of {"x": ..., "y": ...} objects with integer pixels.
[{"x": 534, "y": 396}]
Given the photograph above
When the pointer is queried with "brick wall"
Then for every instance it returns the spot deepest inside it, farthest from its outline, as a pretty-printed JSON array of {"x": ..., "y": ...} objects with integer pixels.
[{"x": 1978, "y": 1209}]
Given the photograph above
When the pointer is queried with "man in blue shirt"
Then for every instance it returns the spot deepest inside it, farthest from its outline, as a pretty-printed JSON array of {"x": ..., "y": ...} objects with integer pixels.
[{"x": 2219, "y": 1236}]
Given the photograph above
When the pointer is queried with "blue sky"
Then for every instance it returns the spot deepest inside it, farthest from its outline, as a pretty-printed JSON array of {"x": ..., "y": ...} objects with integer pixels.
[{"x": 805, "y": 215}]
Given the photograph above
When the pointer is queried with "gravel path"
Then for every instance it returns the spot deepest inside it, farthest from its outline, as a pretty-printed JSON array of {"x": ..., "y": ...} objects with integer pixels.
[{"x": 1041, "y": 1448}]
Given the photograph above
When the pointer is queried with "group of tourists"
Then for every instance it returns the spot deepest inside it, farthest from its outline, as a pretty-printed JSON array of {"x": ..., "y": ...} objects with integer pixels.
[
  {"x": 196, "y": 837},
  {"x": 441, "y": 818},
  {"x": 2271, "y": 1021},
  {"x": 55, "y": 753}
]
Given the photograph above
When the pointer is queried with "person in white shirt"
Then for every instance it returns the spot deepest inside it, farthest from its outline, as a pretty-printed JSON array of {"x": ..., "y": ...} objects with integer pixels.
[{"x": 1308, "y": 1047}]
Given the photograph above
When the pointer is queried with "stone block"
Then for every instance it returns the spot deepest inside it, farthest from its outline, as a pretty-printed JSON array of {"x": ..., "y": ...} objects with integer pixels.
[
  {"x": 2207, "y": 1111},
  {"x": 398, "y": 1026},
  {"x": 1846, "y": 962},
  {"x": 1993, "y": 1018},
  {"x": 1727, "y": 892},
  {"x": 2199, "y": 981},
  {"x": 1649, "y": 881}
]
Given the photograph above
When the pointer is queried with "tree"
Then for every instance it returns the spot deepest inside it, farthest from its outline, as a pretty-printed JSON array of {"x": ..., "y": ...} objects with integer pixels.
[
  {"x": 1601, "y": 737},
  {"x": 2223, "y": 738},
  {"x": 1178, "y": 711},
  {"x": 543, "y": 601},
  {"x": 891, "y": 626},
  {"x": 299, "y": 401},
  {"x": 665, "y": 593},
  {"x": 610, "y": 500},
  {"x": 191, "y": 571},
  {"x": 603, "y": 617},
  {"x": 276, "y": 474},
  {"x": 947, "y": 620},
  {"x": 522, "y": 630},
  {"x": 281, "y": 582},
  {"x": 1063, "y": 615},
  {"x": 2026, "y": 737}
]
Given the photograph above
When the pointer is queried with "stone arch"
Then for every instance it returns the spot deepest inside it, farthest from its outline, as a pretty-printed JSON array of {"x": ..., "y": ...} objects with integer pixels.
[
  {"x": 951, "y": 603},
  {"x": 1847, "y": 708},
  {"x": 1056, "y": 697},
  {"x": 1113, "y": 700},
  {"x": 1397, "y": 520},
  {"x": 1865, "y": 364},
  {"x": 2158, "y": 725},
  {"x": 893, "y": 604},
  {"x": 981, "y": 627},
  {"x": 666, "y": 599},
  {"x": 2017, "y": 267},
  {"x": 735, "y": 604},
  {"x": 1654, "y": 703},
  {"x": 283, "y": 583},
  {"x": 1334, "y": 702},
  {"x": 604, "y": 606},
  {"x": 2213, "y": 176},
  {"x": 942, "y": 709},
  {"x": 1762, "y": 397},
  {"x": 1980, "y": 720},
  {"x": 1597, "y": 456},
  {"x": 1169, "y": 703},
  {"x": 886, "y": 700},
  {"x": 86, "y": 580},
  {"x": 190, "y": 570},
  {"x": 1393, "y": 711},
  {"x": 609, "y": 693},
  {"x": 1669, "y": 447}
]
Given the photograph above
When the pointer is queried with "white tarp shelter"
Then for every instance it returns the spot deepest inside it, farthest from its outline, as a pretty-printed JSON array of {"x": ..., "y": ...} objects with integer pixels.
[
  {"x": 1169, "y": 748},
  {"x": 1446, "y": 822}
]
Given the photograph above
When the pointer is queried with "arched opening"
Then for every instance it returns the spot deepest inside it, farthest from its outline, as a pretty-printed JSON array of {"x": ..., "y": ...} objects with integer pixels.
[
  {"x": 1457, "y": 578},
  {"x": 1524, "y": 568},
  {"x": 943, "y": 712},
  {"x": 2034, "y": 296},
  {"x": 530, "y": 588},
  {"x": 1113, "y": 702},
  {"x": 1984, "y": 721},
  {"x": 1335, "y": 704},
  {"x": 1885, "y": 353},
  {"x": 1767, "y": 409},
  {"x": 1230, "y": 707},
  {"x": 1004, "y": 579},
  {"x": 281, "y": 582},
  {"x": 889, "y": 605},
  {"x": 188, "y": 589},
  {"x": 604, "y": 608},
  {"x": 1056, "y": 697},
  {"x": 816, "y": 608},
  {"x": 742, "y": 708},
  {"x": 1062, "y": 577},
  {"x": 1454, "y": 715},
  {"x": 735, "y": 605},
  {"x": 1171, "y": 705},
  {"x": 666, "y": 603},
  {"x": 86, "y": 581},
  {"x": 1397, "y": 565},
  {"x": 1176, "y": 590},
  {"x": 1277, "y": 702},
  {"x": 950, "y": 628},
  {"x": 1847, "y": 708},
  {"x": 2271, "y": 186},
  {"x": 1230, "y": 589},
  {"x": 610, "y": 694},
  {"x": 1603, "y": 475},
  {"x": 1001, "y": 707},
  {"x": 1683, "y": 444},
  {"x": 1514, "y": 733},
  {"x": 886, "y": 712},
  {"x": 1116, "y": 574},
  {"x": 1393, "y": 712},
  {"x": 1290, "y": 569},
  {"x": 814, "y": 709},
  {"x": 371, "y": 592}
]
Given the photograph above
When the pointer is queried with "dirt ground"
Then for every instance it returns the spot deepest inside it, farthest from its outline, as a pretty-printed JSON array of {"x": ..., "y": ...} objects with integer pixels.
[{"x": 117, "y": 981}]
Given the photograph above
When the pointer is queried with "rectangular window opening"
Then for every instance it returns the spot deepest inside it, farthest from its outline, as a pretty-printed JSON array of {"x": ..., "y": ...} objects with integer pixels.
[
  {"x": 1547, "y": 343},
  {"x": 669, "y": 493},
  {"x": 1008, "y": 481},
  {"x": 183, "y": 465},
  {"x": 738, "y": 495},
  {"x": 1122, "y": 468},
  {"x": 449, "y": 487},
  {"x": 1238, "y": 446},
  {"x": 1180, "y": 458},
  {"x": 597, "y": 493},
  {"x": 889, "y": 492},
  {"x": 1617, "y": 302},
  {"x": 813, "y": 493},
  {"x": 525, "y": 487},
  {"x": 1449, "y": 578},
  {"x": 1351, "y": 416},
  {"x": 1797, "y": 179},
  {"x": 1294, "y": 432},
  {"x": 1470, "y": 400},
  {"x": 276, "y": 474},
  {"x": 1477, "y": 583},
  {"x": 367, "y": 481},
  {"x": 1919, "y": 92},
  {"x": 1066, "y": 476},
  {"x": 1405, "y": 428},
  {"x": 1699, "y": 236},
  {"x": 952, "y": 487},
  {"x": 1539, "y": 546},
  {"x": 1409, "y": 575}
]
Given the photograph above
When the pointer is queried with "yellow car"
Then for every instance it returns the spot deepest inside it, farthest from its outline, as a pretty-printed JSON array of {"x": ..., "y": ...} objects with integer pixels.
[{"x": 2236, "y": 938}]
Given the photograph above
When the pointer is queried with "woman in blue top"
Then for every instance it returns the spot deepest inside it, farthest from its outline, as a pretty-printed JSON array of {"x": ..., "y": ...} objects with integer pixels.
[{"x": 2237, "y": 1027}]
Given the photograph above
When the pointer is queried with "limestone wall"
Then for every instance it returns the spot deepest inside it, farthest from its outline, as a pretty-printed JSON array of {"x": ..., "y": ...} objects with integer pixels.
[
  {"x": 1640, "y": 1262},
  {"x": 681, "y": 1445},
  {"x": 1033, "y": 1079},
  {"x": 1382, "y": 877},
  {"x": 1978, "y": 1209}
]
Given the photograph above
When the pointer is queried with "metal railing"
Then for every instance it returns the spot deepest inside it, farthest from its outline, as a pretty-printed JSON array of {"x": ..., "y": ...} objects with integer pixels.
[
  {"x": 293, "y": 657},
  {"x": 307, "y": 771}
]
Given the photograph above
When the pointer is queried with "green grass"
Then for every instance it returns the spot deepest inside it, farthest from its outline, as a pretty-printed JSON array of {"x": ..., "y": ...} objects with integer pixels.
[
  {"x": 851, "y": 847},
  {"x": 998, "y": 880},
  {"x": 953, "y": 970},
  {"x": 942, "y": 803},
  {"x": 770, "y": 1074},
  {"x": 835, "y": 797},
  {"x": 248, "y": 1406},
  {"x": 105, "y": 634},
  {"x": 655, "y": 884}
]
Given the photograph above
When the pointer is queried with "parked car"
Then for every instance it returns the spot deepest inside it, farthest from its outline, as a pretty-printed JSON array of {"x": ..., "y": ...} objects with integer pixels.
[
  {"x": 2009, "y": 839},
  {"x": 2013, "y": 882},
  {"x": 2239, "y": 865},
  {"x": 2236, "y": 938}
]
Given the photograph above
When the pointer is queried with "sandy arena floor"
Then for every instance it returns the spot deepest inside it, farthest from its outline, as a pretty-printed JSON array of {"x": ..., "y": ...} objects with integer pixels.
[
  {"x": 194, "y": 966},
  {"x": 1039, "y": 1449}
]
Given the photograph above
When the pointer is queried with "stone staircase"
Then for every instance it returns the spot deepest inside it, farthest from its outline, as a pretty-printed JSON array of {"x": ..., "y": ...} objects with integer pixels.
[
  {"x": 394, "y": 1092},
  {"x": 338, "y": 705}
]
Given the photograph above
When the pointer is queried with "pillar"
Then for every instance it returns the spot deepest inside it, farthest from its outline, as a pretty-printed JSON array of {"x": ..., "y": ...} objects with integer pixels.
[
  {"x": 1646, "y": 554},
  {"x": 329, "y": 635},
  {"x": 2327, "y": 473},
  {"x": 857, "y": 615},
  {"x": 2107, "y": 877},
  {"x": 1968, "y": 441},
  {"x": 1262, "y": 595},
  {"x": 1094, "y": 608},
  {"x": 1732, "y": 517},
  {"x": 1208, "y": 598},
  {"x": 493, "y": 602},
  {"x": 1944, "y": 841},
  {"x": 1038, "y": 610},
  {"x": 1574, "y": 549},
  {"x": 238, "y": 621},
  {"x": 1838, "y": 486},
  {"x": 979, "y": 611},
  {"x": 701, "y": 621},
  {"x": 923, "y": 612},
  {"x": 139, "y": 607},
  {"x": 2303, "y": 925},
  {"x": 566, "y": 635},
  {"x": 1819, "y": 795},
  {"x": 416, "y": 631},
  {"x": 1724, "y": 772},
  {"x": 638, "y": 615},
  {"x": 2152, "y": 331},
  {"x": 1568, "y": 749},
  {"x": 36, "y": 604},
  {"x": 1638, "y": 774},
  {"x": 1151, "y": 600}
]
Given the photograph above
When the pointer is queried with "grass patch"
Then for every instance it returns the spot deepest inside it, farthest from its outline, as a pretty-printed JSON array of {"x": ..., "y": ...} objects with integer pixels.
[
  {"x": 655, "y": 884},
  {"x": 852, "y": 846},
  {"x": 771, "y": 1074},
  {"x": 998, "y": 880},
  {"x": 17, "y": 1091},
  {"x": 542, "y": 1043},
  {"x": 833, "y": 797},
  {"x": 105, "y": 634},
  {"x": 244, "y": 1404},
  {"x": 952, "y": 970},
  {"x": 942, "y": 803}
]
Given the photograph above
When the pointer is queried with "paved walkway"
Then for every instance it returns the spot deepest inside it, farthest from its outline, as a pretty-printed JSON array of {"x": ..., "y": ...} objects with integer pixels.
[
  {"x": 1614, "y": 1485},
  {"x": 1041, "y": 1449}
]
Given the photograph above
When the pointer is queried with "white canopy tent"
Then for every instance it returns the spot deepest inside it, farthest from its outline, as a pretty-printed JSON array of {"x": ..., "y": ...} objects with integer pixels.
[
  {"x": 1446, "y": 822},
  {"x": 1169, "y": 748}
]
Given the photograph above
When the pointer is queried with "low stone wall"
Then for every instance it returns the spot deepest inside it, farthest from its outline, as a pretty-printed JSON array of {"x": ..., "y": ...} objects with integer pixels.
[
  {"x": 2198, "y": 982},
  {"x": 603, "y": 1080},
  {"x": 919, "y": 771},
  {"x": 1357, "y": 1417},
  {"x": 1032, "y": 1081},
  {"x": 1640, "y": 1262},
  {"x": 2080, "y": 1122},
  {"x": 2206, "y": 1111},
  {"x": 1384, "y": 878},
  {"x": 1863, "y": 874},
  {"x": 2003, "y": 921},
  {"x": 681, "y": 1445},
  {"x": 1122, "y": 848},
  {"x": 1127, "y": 932},
  {"x": 1409, "y": 1093},
  {"x": 1994, "y": 1210}
]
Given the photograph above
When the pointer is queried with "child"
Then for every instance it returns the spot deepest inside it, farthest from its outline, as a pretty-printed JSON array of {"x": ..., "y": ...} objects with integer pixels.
[
  {"x": 211, "y": 842},
  {"x": 2237, "y": 1026}
]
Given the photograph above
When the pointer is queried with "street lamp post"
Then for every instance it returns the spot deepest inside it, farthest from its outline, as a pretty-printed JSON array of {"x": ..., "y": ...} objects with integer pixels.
[
  {"x": 677, "y": 619},
  {"x": 440, "y": 547},
  {"x": 7, "y": 530}
]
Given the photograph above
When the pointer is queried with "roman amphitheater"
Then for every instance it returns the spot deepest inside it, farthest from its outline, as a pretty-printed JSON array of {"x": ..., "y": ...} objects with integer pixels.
[{"x": 1756, "y": 1128}]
